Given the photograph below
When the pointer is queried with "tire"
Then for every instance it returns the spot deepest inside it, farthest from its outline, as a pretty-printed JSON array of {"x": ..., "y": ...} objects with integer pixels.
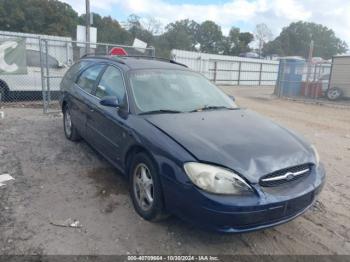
[
  {"x": 145, "y": 189},
  {"x": 70, "y": 131},
  {"x": 334, "y": 93}
]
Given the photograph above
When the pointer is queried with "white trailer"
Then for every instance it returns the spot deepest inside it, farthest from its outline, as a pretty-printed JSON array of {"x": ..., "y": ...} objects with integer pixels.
[{"x": 339, "y": 83}]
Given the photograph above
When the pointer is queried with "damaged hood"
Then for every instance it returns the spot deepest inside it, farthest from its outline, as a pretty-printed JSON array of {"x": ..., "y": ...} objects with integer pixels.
[{"x": 239, "y": 139}]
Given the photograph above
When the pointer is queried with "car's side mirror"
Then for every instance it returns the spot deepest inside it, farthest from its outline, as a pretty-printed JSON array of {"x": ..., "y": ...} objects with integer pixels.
[{"x": 111, "y": 101}]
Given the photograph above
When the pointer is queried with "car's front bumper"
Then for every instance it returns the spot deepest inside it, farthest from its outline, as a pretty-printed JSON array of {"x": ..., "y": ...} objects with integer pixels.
[{"x": 243, "y": 214}]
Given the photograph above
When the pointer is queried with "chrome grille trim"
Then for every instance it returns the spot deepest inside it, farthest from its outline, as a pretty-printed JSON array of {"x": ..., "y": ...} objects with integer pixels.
[{"x": 285, "y": 175}]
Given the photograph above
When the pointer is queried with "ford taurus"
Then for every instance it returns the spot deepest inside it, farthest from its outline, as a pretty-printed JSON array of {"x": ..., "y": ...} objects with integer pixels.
[{"x": 186, "y": 148}]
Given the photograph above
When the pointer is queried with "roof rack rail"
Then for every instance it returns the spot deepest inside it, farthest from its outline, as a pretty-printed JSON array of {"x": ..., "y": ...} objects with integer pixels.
[
  {"x": 101, "y": 56},
  {"x": 87, "y": 54},
  {"x": 157, "y": 58}
]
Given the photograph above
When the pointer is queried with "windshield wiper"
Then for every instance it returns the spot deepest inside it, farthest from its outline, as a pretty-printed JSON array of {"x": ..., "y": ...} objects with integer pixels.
[
  {"x": 161, "y": 111},
  {"x": 205, "y": 108}
]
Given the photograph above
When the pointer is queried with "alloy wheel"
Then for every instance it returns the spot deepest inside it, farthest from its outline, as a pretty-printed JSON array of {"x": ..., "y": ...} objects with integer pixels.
[
  {"x": 143, "y": 187},
  {"x": 68, "y": 123}
]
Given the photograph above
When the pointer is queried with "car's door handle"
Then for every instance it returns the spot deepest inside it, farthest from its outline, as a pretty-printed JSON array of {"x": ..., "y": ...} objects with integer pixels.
[{"x": 102, "y": 87}]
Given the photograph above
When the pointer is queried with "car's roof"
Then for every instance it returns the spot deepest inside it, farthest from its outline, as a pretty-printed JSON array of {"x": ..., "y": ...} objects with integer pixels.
[{"x": 141, "y": 62}]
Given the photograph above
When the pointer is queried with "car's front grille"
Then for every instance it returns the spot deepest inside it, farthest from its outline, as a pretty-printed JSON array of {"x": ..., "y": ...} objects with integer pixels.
[{"x": 285, "y": 175}]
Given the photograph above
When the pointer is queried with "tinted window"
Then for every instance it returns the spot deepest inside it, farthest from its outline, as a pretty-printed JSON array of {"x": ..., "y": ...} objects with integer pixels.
[
  {"x": 88, "y": 78},
  {"x": 111, "y": 84},
  {"x": 33, "y": 59},
  {"x": 75, "y": 69}
]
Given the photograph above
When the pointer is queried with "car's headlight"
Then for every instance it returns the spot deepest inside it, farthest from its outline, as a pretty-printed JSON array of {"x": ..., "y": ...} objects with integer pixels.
[
  {"x": 216, "y": 179},
  {"x": 317, "y": 156}
]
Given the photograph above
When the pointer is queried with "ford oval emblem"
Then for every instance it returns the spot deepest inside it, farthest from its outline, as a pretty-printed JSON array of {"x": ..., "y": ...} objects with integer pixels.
[{"x": 289, "y": 176}]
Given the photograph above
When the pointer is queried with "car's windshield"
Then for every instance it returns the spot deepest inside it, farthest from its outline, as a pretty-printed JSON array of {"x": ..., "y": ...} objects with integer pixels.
[{"x": 176, "y": 90}]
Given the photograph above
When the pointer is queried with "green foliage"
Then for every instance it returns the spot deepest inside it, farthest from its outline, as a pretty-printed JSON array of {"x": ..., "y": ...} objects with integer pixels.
[
  {"x": 237, "y": 42},
  {"x": 56, "y": 18},
  {"x": 210, "y": 37},
  {"x": 295, "y": 39},
  {"x": 181, "y": 34},
  {"x": 109, "y": 30},
  {"x": 38, "y": 16}
]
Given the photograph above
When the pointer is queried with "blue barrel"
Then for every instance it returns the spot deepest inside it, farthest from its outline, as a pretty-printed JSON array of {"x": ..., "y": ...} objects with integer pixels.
[{"x": 290, "y": 76}]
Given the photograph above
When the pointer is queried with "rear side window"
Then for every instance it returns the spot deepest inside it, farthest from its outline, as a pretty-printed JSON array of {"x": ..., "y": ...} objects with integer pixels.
[
  {"x": 75, "y": 69},
  {"x": 111, "y": 84},
  {"x": 88, "y": 78}
]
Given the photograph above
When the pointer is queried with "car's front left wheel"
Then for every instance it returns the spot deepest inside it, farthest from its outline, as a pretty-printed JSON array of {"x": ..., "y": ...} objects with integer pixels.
[
  {"x": 70, "y": 131},
  {"x": 145, "y": 188}
]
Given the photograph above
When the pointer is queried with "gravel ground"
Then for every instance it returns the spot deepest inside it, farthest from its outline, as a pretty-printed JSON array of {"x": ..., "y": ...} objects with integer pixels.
[{"x": 56, "y": 180}]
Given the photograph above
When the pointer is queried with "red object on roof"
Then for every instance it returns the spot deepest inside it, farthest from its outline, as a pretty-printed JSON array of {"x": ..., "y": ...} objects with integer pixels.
[{"x": 118, "y": 51}]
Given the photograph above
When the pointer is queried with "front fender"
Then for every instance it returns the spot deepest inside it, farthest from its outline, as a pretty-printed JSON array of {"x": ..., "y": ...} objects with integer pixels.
[{"x": 168, "y": 155}]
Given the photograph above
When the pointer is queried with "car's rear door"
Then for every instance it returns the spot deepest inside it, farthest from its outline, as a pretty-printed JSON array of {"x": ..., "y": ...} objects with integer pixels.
[
  {"x": 82, "y": 99},
  {"x": 106, "y": 127}
]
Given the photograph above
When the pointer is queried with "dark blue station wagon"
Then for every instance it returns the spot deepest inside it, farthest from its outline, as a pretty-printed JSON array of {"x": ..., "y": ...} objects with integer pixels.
[{"x": 186, "y": 148}]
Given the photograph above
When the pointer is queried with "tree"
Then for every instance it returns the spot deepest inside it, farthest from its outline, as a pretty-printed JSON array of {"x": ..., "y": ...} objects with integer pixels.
[
  {"x": 210, "y": 37},
  {"x": 244, "y": 40},
  {"x": 295, "y": 39},
  {"x": 50, "y": 17},
  {"x": 137, "y": 30},
  {"x": 262, "y": 35},
  {"x": 181, "y": 34},
  {"x": 237, "y": 42},
  {"x": 231, "y": 42},
  {"x": 108, "y": 30},
  {"x": 152, "y": 25}
]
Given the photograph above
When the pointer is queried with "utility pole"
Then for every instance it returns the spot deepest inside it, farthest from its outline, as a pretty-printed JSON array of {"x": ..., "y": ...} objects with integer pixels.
[
  {"x": 309, "y": 63},
  {"x": 87, "y": 26}
]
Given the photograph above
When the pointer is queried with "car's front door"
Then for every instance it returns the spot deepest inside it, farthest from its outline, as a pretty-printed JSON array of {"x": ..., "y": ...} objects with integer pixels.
[
  {"x": 106, "y": 125},
  {"x": 82, "y": 97}
]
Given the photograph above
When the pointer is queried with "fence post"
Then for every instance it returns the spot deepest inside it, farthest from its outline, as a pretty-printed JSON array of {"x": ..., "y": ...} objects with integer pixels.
[
  {"x": 260, "y": 73},
  {"x": 281, "y": 88},
  {"x": 239, "y": 72},
  {"x": 42, "y": 74},
  {"x": 215, "y": 69},
  {"x": 47, "y": 72},
  {"x": 67, "y": 53}
]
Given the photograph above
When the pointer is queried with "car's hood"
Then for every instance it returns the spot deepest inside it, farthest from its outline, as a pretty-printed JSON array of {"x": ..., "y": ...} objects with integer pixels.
[{"x": 238, "y": 139}]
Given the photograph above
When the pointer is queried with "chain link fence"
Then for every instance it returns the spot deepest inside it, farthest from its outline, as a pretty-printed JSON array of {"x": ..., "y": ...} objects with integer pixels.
[
  {"x": 45, "y": 60},
  {"x": 324, "y": 81}
]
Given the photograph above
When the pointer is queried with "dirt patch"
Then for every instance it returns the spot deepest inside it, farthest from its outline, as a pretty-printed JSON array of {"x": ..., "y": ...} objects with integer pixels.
[{"x": 109, "y": 181}]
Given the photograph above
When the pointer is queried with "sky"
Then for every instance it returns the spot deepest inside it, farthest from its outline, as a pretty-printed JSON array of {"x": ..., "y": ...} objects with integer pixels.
[{"x": 244, "y": 14}]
